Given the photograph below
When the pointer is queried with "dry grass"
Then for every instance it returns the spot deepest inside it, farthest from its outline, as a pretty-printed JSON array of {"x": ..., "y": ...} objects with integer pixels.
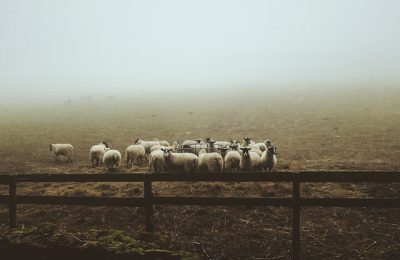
[{"x": 334, "y": 130}]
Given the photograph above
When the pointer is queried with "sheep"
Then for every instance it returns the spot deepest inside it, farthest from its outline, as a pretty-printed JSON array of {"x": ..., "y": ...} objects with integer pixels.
[
  {"x": 262, "y": 146},
  {"x": 192, "y": 142},
  {"x": 268, "y": 158},
  {"x": 232, "y": 159},
  {"x": 156, "y": 147},
  {"x": 268, "y": 143},
  {"x": 247, "y": 142},
  {"x": 221, "y": 144},
  {"x": 156, "y": 161},
  {"x": 223, "y": 151},
  {"x": 134, "y": 152},
  {"x": 159, "y": 146},
  {"x": 249, "y": 161},
  {"x": 112, "y": 158},
  {"x": 194, "y": 146},
  {"x": 180, "y": 161},
  {"x": 254, "y": 148},
  {"x": 146, "y": 144},
  {"x": 212, "y": 147},
  {"x": 164, "y": 143},
  {"x": 211, "y": 162},
  {"x": 62, "y": 149},
  {"x": 96, "y": 153}
]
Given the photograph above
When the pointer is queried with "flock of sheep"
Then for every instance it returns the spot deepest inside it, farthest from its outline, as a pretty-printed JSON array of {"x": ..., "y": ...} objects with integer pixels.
[{"x": 190, "y": 156}]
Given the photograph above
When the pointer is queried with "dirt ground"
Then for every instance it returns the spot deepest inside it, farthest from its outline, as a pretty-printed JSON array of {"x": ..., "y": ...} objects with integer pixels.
[{"x": 314, "y": 129}]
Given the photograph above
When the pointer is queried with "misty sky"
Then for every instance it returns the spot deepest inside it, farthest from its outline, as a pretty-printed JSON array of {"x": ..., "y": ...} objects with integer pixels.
[{"x": 86, "y": 47}]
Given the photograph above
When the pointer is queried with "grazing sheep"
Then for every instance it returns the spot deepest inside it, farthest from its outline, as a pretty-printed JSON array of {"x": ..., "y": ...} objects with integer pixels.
[
  {"x": 232, "y": 159},
  {"x": 180, "y": 161},
  {"x": 156, "y": 161},
  {"x": 249, "y": 161},
  {"x": 268, "y": 158},
  {"x": 62, "y": 149},
  {"x": 112, "y": 158},
  {"x": 134, "y": 152},
  {"x": 96, "y": 153},
  {"x": 211, "y": 162}
]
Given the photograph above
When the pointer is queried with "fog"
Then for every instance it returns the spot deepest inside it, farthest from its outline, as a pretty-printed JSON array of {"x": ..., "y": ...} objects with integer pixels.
[{"x": 69, "y": 51}]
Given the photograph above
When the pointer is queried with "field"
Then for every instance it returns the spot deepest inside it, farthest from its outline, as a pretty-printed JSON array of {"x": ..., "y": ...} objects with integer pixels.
[{"x": 314, "y": 129}]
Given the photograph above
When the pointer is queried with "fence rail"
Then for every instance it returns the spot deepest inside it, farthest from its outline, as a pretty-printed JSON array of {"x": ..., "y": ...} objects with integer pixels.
[{"x": 148, "y": 200}]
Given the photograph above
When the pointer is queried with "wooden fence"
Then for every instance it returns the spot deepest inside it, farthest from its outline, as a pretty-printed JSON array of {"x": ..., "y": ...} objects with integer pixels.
[{"x": 148, "y": 200}]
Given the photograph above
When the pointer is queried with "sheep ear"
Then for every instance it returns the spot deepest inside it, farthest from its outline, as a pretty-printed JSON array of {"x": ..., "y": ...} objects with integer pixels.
[{"x": 241, "y": 148}]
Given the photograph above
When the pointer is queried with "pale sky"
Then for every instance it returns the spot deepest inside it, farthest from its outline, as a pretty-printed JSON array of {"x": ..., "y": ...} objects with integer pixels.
[{"x": 73, "y": 48}]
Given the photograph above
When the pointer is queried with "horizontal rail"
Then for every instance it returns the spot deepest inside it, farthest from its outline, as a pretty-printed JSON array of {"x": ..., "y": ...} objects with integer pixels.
[
  {"x": 76, "y": 200},
  {"x": 222, "y": 201},
  {"x": 204, "y": 201},
  {"x": 81, "y": 177},
  {"x": 349, "y": 202},
  {"x": 376, "y": 177}
]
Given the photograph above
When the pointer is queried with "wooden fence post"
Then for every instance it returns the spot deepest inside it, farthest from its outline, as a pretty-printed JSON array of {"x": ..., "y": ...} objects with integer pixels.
[
  {"x": 12, "y": 203},
  {"x": 296, "y": 219},
  {"x": 148, "y": 197}
]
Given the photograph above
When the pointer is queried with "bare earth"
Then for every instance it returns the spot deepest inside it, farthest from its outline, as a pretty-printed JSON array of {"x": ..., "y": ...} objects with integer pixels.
[{"x": 332, "y": 129}]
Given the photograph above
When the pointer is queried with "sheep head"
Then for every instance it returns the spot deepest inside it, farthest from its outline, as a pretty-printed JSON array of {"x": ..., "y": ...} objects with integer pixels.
[
  {"x": 245, "y": 151},
  {"x": 167, "y": 151},
  {"x": 247, "y": 140},
  {"x": 272, "y": 149}
]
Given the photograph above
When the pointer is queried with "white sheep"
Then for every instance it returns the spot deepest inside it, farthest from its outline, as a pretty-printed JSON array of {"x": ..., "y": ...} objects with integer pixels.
[
  {"x": 262, "y": 146},
  {"x": 156, "y": 147},
  {"x": 112, "y": 158},
  {"x": 191, "y": 142},
  {"x": 268, "y": 158},
  {"x": 159, "y": 146},
  {"x": 146, "y": 144},
  {"x": 249, "y": 161},
  {"x": 62, "y": 149},
  {"x": 232, "y": 159},
  {"x": 156, "y": 161},
  {"x": 247, "y": 142},
  {"x": 164, "y": 143},
  {"x": 254, "y": 148},
  {"x": 194, "y": 147},
  {"x": 96, "y": 153},
  {"x": 211, "y": 162},
  {"x": 134, "y": 152},
  {"x": 187, "y": 162}
]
